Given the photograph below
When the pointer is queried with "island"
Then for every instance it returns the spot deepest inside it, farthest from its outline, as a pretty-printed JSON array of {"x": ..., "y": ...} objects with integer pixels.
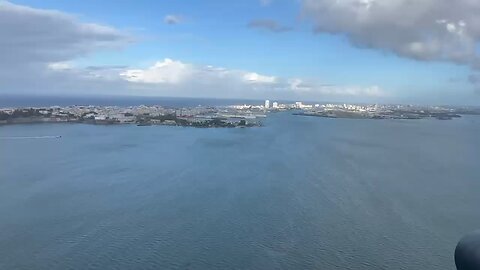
[
  {"x": 200, "y": 116},
  {"x": 376, "y": 111},
  {"x": 230, "y": 116}
]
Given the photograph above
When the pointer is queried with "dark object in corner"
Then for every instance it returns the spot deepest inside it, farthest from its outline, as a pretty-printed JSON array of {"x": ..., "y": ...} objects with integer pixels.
[{"x": 467, "y": 253}]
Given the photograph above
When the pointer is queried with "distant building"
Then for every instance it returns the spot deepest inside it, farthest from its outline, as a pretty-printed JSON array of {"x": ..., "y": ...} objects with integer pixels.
[
  {"x": 275, "y": 105},
  {"x": 298, "y": 104},
  {"x": 267, "y": 104}
]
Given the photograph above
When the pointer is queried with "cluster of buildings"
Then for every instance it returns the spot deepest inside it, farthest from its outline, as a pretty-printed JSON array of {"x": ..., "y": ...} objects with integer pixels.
[
  {"x": 297, "y": 105},
  {"x": 376, "y": 111},
  {"x": 351, "y": 107},
  {"x": 222, "y": 116},
  {"x": 273, "y": 106},
  {"x": 141, "y": 115},
  {"x": 372, "y": 111}
]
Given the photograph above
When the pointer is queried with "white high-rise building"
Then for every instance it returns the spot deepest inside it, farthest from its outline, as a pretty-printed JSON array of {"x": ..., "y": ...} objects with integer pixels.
[
  {"x": 275, "y": 105},
  {"x": 267, "y": 104}
]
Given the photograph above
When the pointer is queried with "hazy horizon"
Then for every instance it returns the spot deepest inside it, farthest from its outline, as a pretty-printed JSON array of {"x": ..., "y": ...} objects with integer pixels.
[{"x": 8, "y": 98}]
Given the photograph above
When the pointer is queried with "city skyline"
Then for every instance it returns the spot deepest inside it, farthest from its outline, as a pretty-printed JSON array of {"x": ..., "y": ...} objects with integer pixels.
[{"x": 310, "y": 50}]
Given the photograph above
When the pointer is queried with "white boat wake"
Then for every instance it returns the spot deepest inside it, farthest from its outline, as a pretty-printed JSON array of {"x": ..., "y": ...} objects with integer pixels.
[{"x": 29, "y": 137}]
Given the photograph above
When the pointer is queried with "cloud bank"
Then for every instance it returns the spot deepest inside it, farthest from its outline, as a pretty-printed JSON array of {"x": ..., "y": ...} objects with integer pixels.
[
  {"x": 171, "y": 75},
  {"x": 36, "y": 43},
  {"x": 427, "y": 30},
  {"x": 41, "y": 36}
]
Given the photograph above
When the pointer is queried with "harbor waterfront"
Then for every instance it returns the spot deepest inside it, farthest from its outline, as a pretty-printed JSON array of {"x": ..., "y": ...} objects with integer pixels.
[
  {"x": 245, "y": 115},
  {"x": 298, "y": 193},
  {"x": 141, "y": 115}
]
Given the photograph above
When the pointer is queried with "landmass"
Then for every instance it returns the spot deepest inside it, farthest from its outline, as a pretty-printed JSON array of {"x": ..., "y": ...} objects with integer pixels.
[
  {"x": 202, "y": 117},
  {"x": 385, "y": 111},
  {"x": 221, "y": 116}
]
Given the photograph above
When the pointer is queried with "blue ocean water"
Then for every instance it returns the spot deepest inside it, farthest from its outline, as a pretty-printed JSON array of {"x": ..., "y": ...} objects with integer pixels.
[{"x": 298, "y": 193}]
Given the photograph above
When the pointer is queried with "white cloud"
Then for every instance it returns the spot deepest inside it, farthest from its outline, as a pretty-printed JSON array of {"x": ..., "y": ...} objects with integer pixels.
[
  {"x": 171, "y": 76},
  {"x": 60, "y": 65},
  {"x": 36, "y": 45},
  {"x": 29, "y": 35},
  {"x": 174, "y": 72},
  {"x": 173, "y": 19},
  {"x": 300, "y": 86},
  {"x": 167, "y": 71},
  {"x": 297, "y": 84},
  {"x": 354, "y": 91},
  {"x": 253, "y": 77},
  {"x": 427, "y": 30}
]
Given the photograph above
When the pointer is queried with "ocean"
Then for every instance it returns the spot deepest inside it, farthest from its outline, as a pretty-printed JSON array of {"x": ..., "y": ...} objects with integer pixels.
[{"x": 298, "y": 193}]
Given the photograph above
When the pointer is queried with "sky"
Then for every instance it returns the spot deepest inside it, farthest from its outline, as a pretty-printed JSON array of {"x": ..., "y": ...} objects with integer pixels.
[{"x": 375, "y": 51}]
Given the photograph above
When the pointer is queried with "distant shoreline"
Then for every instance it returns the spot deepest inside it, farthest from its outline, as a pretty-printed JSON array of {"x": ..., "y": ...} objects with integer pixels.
[
  {"x": 225, "y": 116},
  {"x": 343, "y": 115},
  {"x": 198, "y": 117}
]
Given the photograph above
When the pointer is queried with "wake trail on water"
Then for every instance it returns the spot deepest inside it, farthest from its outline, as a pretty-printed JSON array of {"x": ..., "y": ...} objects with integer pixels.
[{"x": 29, "y": 137}]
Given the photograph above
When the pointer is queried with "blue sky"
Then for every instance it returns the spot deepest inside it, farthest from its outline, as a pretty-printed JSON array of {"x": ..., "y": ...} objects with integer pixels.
[{"x": 215, "y": 33}]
